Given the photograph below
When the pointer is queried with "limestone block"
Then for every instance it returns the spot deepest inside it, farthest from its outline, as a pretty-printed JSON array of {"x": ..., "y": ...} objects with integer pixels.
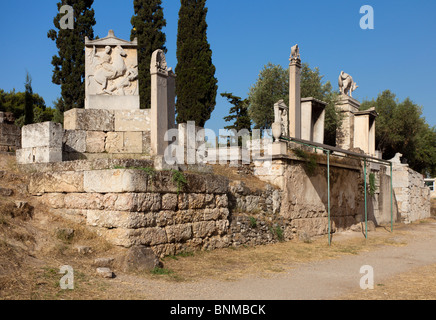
[
  {"x": 118, "y": 219},
  {"x": 39, "y": 155},
  {"x": 196, "y": 200},
  {"x": 216, "y": 184},
  {"x": 169, "y": 201},
  {"x": 124, "y": 142},
  {"x": 115, "y": 181},
  {"x": 132, "y": 120},
  {"x": 132, "y": 142},
  {"x": 56, "y": 182},
  {"x": 90, "y": 201},
  {"x": 114, "y": 142},
  {"x": 179, "y": 233},
  {"x": 46, "y": 134},
  {"x": 95, "y": 141},
  {"x": 89, "y": 120},
  {"x": 138, "y": 202},
  {"x": 203, "y": 229},
  {"x": 103, "y": 102},
  {"x": 74, "y": 141},
  {"x": 148, "y": 236}
]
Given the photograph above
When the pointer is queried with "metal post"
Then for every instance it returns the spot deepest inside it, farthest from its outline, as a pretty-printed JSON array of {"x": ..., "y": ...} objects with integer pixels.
[
  {"x": 366, "y": 203},
  {"x": 392, "y": 202},
  {"x": 328, "y": 197}
]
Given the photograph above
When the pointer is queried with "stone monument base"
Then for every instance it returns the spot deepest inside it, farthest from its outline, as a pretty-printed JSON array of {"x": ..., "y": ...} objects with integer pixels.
[{"x": 107, "y": 102}]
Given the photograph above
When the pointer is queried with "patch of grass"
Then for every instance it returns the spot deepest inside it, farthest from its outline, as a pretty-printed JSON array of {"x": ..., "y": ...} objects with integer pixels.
[
  {"x": 161, "y": 271},
  {"x": 179, "y": 179},
  {"x": 253, "y": 222},
  {"x": 278, "y": 232}
]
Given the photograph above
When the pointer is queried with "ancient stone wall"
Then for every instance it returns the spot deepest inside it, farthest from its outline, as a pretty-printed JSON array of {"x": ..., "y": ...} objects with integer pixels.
[
  {"x": 411, "y": 194},
  {"x": 10, "y": 134}
]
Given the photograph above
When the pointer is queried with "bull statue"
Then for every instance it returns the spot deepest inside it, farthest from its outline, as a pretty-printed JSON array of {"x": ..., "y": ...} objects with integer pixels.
[{"x": 346, "y": 84}]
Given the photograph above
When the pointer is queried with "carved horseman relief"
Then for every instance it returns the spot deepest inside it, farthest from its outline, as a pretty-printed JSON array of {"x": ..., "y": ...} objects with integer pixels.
[
  {"x": 110, "y": 73},
  {"x": 111, "y": 66}
]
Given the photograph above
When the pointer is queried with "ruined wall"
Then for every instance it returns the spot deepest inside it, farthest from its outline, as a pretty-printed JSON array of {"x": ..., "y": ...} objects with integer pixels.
[
  {"x": 10, "y": 134},
  {"x": 412, "y": 196}
]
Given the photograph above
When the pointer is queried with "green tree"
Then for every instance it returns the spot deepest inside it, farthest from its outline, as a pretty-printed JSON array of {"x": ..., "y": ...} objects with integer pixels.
[
  {"x": 196, "y": 85},
  {"x": 147, "y": 23},
  {"x": 401, "y": 128},
  {"x": 28, "y": 101},
  {"x": 69, "y": 64},
  {"x": 15, "y": 103},
  {"x": 273, "y": 85},
  {"x": 238, "y": 113}
]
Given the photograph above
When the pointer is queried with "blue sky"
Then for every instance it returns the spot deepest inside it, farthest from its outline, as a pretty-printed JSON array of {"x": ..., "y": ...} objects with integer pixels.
[{"x": 399, "y": 54}]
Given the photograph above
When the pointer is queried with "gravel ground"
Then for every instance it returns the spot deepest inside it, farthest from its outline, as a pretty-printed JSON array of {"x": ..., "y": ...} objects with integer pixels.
[{"x": 321, "y": 280}]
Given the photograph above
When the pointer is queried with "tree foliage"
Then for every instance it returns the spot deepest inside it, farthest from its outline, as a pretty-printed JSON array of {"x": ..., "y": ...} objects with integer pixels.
[
  {"x": 147, "y": 23},
  {"x": 15, "y": 102},
  {"x": 69, "y": 64},
  {"x": 28, "y": 101},
  {"x": 273, "y": 85},
  {"x": 196, "y": 85},
  {"x": 238, "y": 113},
  {"x": 401, "y": 128}
]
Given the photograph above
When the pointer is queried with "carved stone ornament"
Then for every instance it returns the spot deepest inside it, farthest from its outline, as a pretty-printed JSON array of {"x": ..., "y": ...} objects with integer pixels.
[
  {"x": 159, "y": 62},
  {"x": 111, "y": 66},
  {"x": 295, "y": 53}
]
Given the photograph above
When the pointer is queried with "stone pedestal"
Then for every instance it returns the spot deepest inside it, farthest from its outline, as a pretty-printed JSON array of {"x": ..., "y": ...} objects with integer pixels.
[
  {"x": 41, "y": 143},
  {"x": 159, "y": 102},
  {"x": 295, "y": 98},
  {"x": 345, "y": 133},
  {"x": 312, "y": 120},
  {"x": 364, "y": 131}
]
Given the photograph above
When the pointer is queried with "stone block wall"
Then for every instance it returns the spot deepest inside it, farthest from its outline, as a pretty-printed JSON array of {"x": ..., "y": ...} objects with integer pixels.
[
  {"x": 94, "y": 133},
  {"x": 10, "y": 134},
  {"x": 132, "y": 207},
  {"x": 411, "y": 194}
]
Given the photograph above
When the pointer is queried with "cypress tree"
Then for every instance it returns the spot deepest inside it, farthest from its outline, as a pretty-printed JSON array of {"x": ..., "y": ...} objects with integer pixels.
[
  {"x": 147, "y": 23},
  {"x": 28, "y": 101},
  {"x": 69, "y": 64},
  {"x": 196, "y": 85}
]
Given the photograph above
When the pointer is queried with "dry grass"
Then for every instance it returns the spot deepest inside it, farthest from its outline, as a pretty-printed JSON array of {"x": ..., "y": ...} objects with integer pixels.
[{"x": 232, "y": 173}]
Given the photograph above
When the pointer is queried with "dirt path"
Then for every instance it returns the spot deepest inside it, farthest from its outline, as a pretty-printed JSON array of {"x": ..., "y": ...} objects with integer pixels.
[{"x": 330, "y": 279}]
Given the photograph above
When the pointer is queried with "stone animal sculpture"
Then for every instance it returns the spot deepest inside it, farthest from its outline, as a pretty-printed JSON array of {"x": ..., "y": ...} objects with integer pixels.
[{"x": 346, "y": 84}]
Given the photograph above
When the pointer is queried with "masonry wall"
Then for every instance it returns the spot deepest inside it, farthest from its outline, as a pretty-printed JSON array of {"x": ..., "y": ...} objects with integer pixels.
[{"x": 411, "y": 194}]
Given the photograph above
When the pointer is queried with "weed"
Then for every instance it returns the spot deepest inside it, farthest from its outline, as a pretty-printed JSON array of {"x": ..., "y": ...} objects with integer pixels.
[
  {"x": 179, "y": 179},
  {"x": 161, "y": 271},
  {"x": 253, "y": 222},
  {"x": 278, "y": 232}
]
